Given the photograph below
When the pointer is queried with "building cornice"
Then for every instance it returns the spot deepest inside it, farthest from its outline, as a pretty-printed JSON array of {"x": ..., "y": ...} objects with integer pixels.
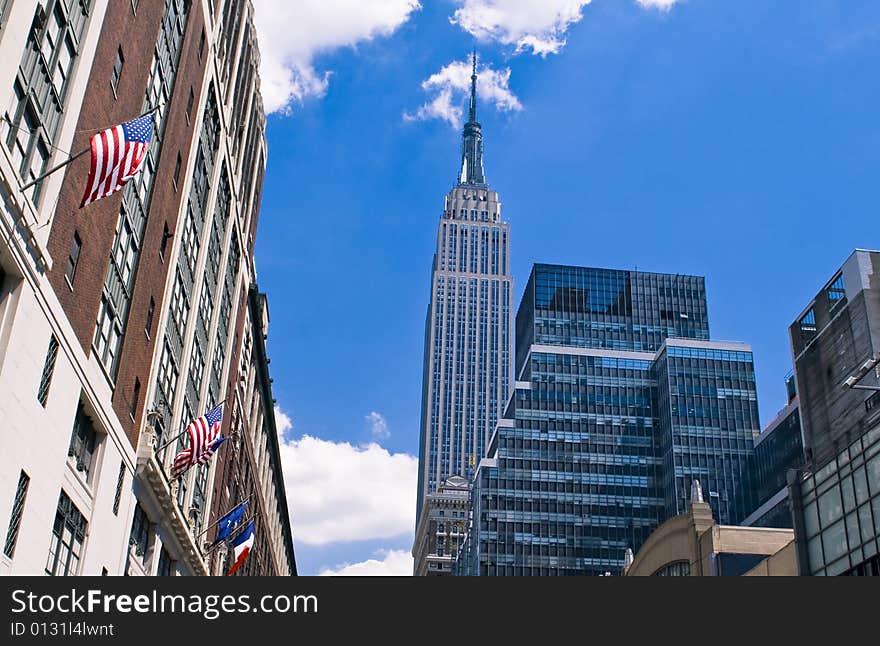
[{"x": 262, "y": 363}]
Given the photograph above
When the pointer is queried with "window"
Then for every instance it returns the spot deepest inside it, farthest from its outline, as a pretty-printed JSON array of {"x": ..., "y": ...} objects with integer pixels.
[
  {"x": 17, "y": 510},
  {"x": 166, "y": 565},
  {"x": 117, "y": 71},
  {"x": 82, "y": 442},
  {"x": 201, "y": 44},
  {"x": 836, "y": 291},
  {"x": 196, "y": 368},
  {"x": 140, "y": 532},
  {"x": 189, "y": 104},
  {"x": 163, "y": 246},
  {"x": 200, "y": 487},
  {"x": 108, "y": 334},
  {"x": 167, "y": 378},
  {"x": 217, "y": 360},
  {"x": 135, "y": 396},
  {"x": 206, "y": 305},
  {"x": 68, "y": 535},
  {"x": 190, "y": 243},
  {"x": 151, "y": 310},
  {"x": 808, "y": 323},
  {"x": 159, "y": 429},
  {"x": 119, "y": 482},
  {"x": 40, "y": 86},
  {"x": 73, "y": 258},
  {"x": 176, "y": 180},
  {"x": 48, "y": 370},
  {"x": 125, "y": 249},
  {"x": 179, "y": 304}
]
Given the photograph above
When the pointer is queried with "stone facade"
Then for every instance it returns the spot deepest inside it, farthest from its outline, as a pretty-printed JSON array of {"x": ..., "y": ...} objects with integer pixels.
[
  {"x": 442, "y": 529},
  {"x": 692, "y": 544}
]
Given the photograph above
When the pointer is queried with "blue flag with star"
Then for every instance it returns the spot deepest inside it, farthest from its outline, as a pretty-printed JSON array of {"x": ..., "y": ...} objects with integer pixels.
[{"x": 227, "y": 524}]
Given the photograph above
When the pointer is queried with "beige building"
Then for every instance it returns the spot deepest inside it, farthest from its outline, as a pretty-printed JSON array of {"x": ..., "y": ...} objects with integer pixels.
[
  {"x": 692, "y": 544},
  {"x": 442, "y": 528}
]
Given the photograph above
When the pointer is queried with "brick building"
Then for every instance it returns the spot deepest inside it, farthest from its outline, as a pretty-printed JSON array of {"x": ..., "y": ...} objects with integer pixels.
[{"x": 122, "y": 321}]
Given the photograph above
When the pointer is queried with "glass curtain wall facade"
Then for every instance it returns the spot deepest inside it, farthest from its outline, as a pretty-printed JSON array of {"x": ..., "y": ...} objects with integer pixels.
[
  {"x": 779, "y": 450},
  {"x": 708, "y": 422},
  {"x": 839, "y": 514},
  {"x": 600, "y": 412}
]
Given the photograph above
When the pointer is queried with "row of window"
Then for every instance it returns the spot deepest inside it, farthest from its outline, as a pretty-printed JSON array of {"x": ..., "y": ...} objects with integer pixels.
[
  {"x": 69, "y": 532},
  {"x": 113, "y": 314},
  {"x": 33, "y": 116}
]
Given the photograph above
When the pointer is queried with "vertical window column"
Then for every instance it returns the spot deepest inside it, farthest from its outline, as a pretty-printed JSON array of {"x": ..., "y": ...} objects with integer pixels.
[
  {"x": 17, "y": 512},
  {"x": 68, "y": 536}
]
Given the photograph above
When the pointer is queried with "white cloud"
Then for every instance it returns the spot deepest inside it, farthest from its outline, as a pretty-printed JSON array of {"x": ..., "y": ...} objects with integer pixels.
[
  {"x": 393, "y": 563},
  {"x": 339, "y": 492},
  {"x": 282, "y": 422},
  {"x": 378, "y": 426},
  {"x": 663, "y": 5},
  {"x": 539, "y": 25},
  {"x": 451, "y": 88},
  {"x": 291, "y": 34}
]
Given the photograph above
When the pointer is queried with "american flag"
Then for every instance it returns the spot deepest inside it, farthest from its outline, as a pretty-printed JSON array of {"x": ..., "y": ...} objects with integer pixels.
[
  {"x": 203, "y": 441},
  {"x": 117, "y": 155}
]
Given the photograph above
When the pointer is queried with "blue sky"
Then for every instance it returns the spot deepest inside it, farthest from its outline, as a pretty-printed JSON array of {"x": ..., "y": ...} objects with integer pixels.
[{"x": 734, "y": 140}]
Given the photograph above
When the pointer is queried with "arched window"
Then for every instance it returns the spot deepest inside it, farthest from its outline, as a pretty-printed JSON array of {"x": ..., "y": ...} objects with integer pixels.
[{"x": 676, "y": 568}]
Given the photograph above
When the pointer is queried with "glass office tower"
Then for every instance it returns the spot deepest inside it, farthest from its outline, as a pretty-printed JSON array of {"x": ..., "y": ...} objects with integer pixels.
[
  {"x": 620, "y": 401},
  {"x": 708, "y": 422}
]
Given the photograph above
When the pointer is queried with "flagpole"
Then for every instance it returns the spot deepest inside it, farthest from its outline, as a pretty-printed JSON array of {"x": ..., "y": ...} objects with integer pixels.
[
  {"x": 72, "y": 158},
  {"x": 205, "y": 531},
  {"x": 54, "y": 168},
  {"x": 172, "y": 440}
]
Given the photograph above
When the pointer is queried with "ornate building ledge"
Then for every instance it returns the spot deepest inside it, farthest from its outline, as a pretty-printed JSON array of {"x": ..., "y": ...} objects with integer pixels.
[{"x": 162, "y": 498}]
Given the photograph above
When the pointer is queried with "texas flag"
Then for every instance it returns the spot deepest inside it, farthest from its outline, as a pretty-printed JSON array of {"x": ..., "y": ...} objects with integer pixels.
[{"x": 241, "y": 546}]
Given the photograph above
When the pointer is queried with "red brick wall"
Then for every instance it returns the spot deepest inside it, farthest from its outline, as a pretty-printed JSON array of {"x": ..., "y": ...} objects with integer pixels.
[{"x": 96, "y": 223}]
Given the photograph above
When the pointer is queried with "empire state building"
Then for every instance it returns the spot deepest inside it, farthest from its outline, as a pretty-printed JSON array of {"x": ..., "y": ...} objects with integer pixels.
[{"x": 468, "y": 342}]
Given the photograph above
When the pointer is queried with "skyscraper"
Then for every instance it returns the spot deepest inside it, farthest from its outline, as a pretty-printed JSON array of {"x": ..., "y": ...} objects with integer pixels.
[
  {"x": 466, "y": 373},
  {"x": 621, "y": 401}
]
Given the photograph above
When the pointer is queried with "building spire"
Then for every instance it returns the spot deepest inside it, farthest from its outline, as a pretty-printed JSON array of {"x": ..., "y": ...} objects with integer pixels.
[
  {"x": 472, "y": 139},
  {"x": 473, "y": 111}
]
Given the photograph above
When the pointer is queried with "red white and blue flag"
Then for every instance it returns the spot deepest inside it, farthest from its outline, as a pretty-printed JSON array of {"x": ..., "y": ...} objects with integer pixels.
[
  {"x": 117, "y": 155},
  {"x": 241, "y": 547},
  {"x": 203, "y": 441}
]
